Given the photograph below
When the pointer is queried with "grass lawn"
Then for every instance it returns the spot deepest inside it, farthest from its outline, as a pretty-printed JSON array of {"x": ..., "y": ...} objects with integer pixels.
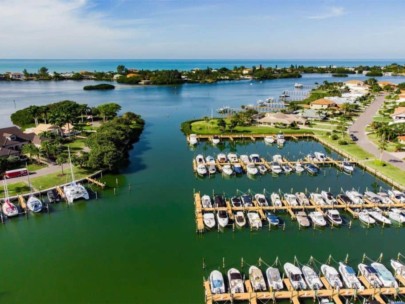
[
  {"x": 76, "y": 145},
  {"x": 35, "y": 166},
  {"x": 380, "y": 118},
  {"x": 390, "y": 145},
  {"x": 14, "y": 189}
]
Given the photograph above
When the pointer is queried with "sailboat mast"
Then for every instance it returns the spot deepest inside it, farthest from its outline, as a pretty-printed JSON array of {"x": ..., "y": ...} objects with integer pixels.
[
  {"x": 71, "y": 166},
  {"x": 5, "y": 189}
]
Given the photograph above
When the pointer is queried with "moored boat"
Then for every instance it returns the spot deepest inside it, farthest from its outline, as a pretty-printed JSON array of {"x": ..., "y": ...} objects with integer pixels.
[
  {"x": 302, "y": 198},
  {"x": 349, "y": 277},
  {"x": 256, "y": 279},
  {"x": 210, "y": 160},
  {"x": 209, "y": 220},
  {"x": 237, "y": 168},
  {"x": 294, "y": 274},
  {"x": 275, "y": 200},
  {"x": 236, "y": 201},
  {"x": 311, "y": 278},
  {"x": 222, "y": 218},
  {"x": 333, "y": 217},
  {"x": 227, "y": 170},
  {"x": 233, "y": 157},
  {"x": 365, "y": 218},
  {"x": 272, "y": 219},
  {"x": 328, "y": 198},
  {"x": 200, "y": 159},
  {"x": 254, "y": 158},
  {"x": 397, "y": 215},
  {"x": 247, "y": 200},
  {"x": 192, "y": 139},
  {"x": 276, "y": 168},
  {"x": 221, "y": 157},
  {"x": 280, "y": 139},
  {"x": 377, "y": 215},
  {"x": 317, "y": 199},
  {"x": 261, "y": 200},
  {"x": 262, "y": 169},
  {"x": 206, "y": 201},
  {"x": 9, "y": 209},
  {"x": 254, "y": 220},
  {"x": 251, "y": 169},
  {"x": 240, "y": 219},
  {"x": 215, "y": 140},
  {"x": 245, "y": 159},
  {"x": 370, "y": 274},
  {"x": 398, "y": 267},
  {"x": 317, "y": 218},
  {"x": 302, "y": 219},
  {"x": 347, "y": 167},
  {"x": 397, "y": 195},
  {"x": 311, "y": 169},
  {"x": 274, "y": 278},
  {"x": 299, "y": 168},
  {"x": 332, "y": 276},
  {"x": 217, "y": 283},
  {"x": 320, "y": 156},
  {"x": 355, "y": 197},
  {"x": 235, "y": 281},
  {"x": 202, "y": 170},
  {"x": 291, "y": 199},
  {"x": 385, "y": 276},
  {"x": 286, "y": 168},
  {"x": 269, "y": 139},
  {"x": 34, "y": 204}
]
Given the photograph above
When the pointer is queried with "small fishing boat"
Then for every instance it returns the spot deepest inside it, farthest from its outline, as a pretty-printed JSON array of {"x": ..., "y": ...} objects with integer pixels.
[
  {"x": 311, "y": 169},
  {"x": 397, "y": 195},
  {"x": 272, "y": 219},
  {"x": 221, "y": 157},
  {"x": 262, "y": 169},
  {"x": 269, "y": 139},
  {"x": 217, "y": 283},
  {"x": 299, "y": 168},
  {"x": 328, "y": 198},
  {"x": 333, "y": 217},
  {"x": 222, "y": 218},
  {"x": 344, "y": 199},
  {"x": 212, "y": 169},
  {"x": 235, "y": 281},
  {"x": 302, "y": 219},
  {"x": 254, "y": 158},
  {"x": 370, "y": 274},
  {"x": 275, "y": 200},
  {"x": 256, "y": 279},
  {"x": 261, "y": 200},
  {"x": 332, "y": 276},
  {"x": 209, "y": 220},
  {"x": 254, "y": 220},
  {"x": 247, "y": 200},
  {"x": 320, "y": 156},
  {"x": 317, "y": 199},
  {"x": 349, "y": 277},
  {"x": 397, "y": 215},
  {"x": 200, "y": 159},
  {"x": 236, "y": 202},
  {"x": 206, "y": 201},
  {"x": 275, "y": 168},
  {"x": 227, "y": 170},
  {"x": 317, "y": 219},
  {"x": 286, "y": 168},
  {"x": 355, "y": 197},
  {"x": 365, "y": 218},
  {"x": 385, "y": 276},
  {"x": 385, "y": 198},
  {"x": 240, "y": 219},
  {"x": 347, "y": 167},
  {"x": 34, "y": 204},
  {"x": 376, "y": 213},
  {"x": 294, "y": 274},
  {"x": 237, "y": 168},
  {"x": 302, "y": 198},
  {"x": 215, "y": 140},
  {"x": 291, "y": 199},
  {"x": 311, "y": 278},
  {"x": 210, "y": 160},
  {"x": 280, "y": 139},
  {"x": 192, "y": 139},
  {"x": 274, "y": 278},
  {"x": 251, "y": 169},
  {"x": 245, "y": 159},
  {"x": 233, "y": 157},
  {"x": 398, "y": 267},
  {"x": 202, "y": 170}
]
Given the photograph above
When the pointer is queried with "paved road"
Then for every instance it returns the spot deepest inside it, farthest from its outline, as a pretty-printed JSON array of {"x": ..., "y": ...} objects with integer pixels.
[
  {"x": 41, "y": 172},
  {"x": 359, "y": 129}
]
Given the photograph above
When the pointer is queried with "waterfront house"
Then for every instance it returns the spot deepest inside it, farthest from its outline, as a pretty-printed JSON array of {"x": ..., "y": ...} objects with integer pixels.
[
  {"x": 271, "y": 119},
  {"x": 383, "y": 84},
  {"x": 12, "y": 139},
  {"x": 41, "y": 128},
  {"x": 354, "y": 83},
  {"x": 399, "y": 115},
  {"x": 311, "y": 114},
  {"x": 16, "y": 76},
  {"x": 322, "y": 104},
  {"x": 401, "y": 139}
]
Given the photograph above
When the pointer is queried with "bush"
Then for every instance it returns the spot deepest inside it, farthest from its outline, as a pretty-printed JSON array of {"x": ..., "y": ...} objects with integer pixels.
[
  {"x": 342, "y": 142},
  {"x": 102, "y": 86},
  {"x": 334, "y": 137}
]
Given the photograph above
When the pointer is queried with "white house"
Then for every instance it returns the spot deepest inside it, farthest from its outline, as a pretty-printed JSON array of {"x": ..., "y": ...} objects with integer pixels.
[{"x": 399, "y": 115}]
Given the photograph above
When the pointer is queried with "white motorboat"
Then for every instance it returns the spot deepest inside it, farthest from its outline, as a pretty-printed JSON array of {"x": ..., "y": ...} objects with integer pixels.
[
  {"x": 245, "y": 159},
  {"x": 398, "y": 267},
  {"x": 209, "y": 160},
  {"x": 262, "y": 169},
  {"x": 372, "y": 197},
  {"x": 233, "y": 157},
  {"x": 333, "y": 217},
  {"x": 291, "y": 199},
  {"x": 192, "y": 139},
  {"x": 277, "y": 158},
  {"x": 355, "y": 197},
  {"x": 227, "y": 170},
  {"x": 320, "y": 156},
  {"x": 385, "y": 198},
  {"x": 347, "y": 167},
  {"x": 240, "y": 220},
  {"x": 235, "y": 281},
  {"x": 332, "y": 276},
  {"x": 317, "y": 218},
  {"x": 256, "y": 279},
  {"x": 302, "y": 198},
  {"x": 311, "y": 158},
  {"x": 212, "y": 169},
  {"x": 317, "y": 199},
  {"x": 217, "y": 283},
  {"x": 312, "y": 169},
  {"x": 370, "y": 274},
  {"x": 251, "y": 169},
  {"x": 34, "y": 204},
  {"x": 397, "y": 215},
  {"x": 215, "y": 140},
  {"x": 209, "y": 220},
  {"x": 200, "y": 159},
  {"x": 269, "y": 139},
  {"x": 276, "y": 168},
  {"x": 397, "y": 195},
  {"x": 206, "y": 201},
  {"x": 302, "y": 219},
  {"x": 254, "y": 158},
  {"x": 311, "y": 278},
  {"x": 294, "y": 274},
  {"x": 254, "y": 220},
  {"x": 328, "y": 198},
  {"x": 385, "y": 276},
  {"x": 377, "y": 215},
  {"x": 221, "y": 157},
  {"x": 9, "y": 209},
  {"x": 299, "y": 168},
  {"x": 280, "y": 139},
  {"x": 365, "y": 218},
  {"x": 247, "y": 200},
  {"x": 286, "y": 168},
  {"x": 349, "y": 277},
  {"x": 274, "y": 278},
  {"x": 275, "y": 200},
  {"x": 344, "y": 199},
  {"x": 261, "y": 200},
  {"x": 236, "y": 201},
  {"x": 222, "y": 218},
  {"x": 202, "y": 170},
  {"x": 298, "y": 85},
  {"x": 74, "y": 191}
]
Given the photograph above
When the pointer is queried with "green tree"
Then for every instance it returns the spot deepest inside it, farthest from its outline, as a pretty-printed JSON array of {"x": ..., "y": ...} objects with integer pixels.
[
  {"x": 221, "y": 124},
  {"x": 61, "y": 159},
  {"x": 109, "y": 110},
  {"x": 43, "y": 73},
  {"x": 30, "y": 150},
  {"x": 121, "y": 69}
]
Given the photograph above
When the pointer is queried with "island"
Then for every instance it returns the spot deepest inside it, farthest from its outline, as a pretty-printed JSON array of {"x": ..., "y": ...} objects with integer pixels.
[{"x": 99, "y": 87}]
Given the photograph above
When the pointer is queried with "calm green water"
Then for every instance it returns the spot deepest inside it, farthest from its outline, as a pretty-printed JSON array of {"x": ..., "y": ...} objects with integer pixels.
[{"x": 139, "y": 245}]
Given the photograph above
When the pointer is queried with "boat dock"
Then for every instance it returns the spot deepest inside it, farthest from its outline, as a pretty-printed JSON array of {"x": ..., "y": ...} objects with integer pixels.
[{"x": 253, "y": 137}]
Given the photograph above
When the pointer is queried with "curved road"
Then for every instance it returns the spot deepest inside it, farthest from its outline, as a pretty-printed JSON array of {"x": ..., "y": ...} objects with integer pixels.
[{"x": 359, "y": 129}]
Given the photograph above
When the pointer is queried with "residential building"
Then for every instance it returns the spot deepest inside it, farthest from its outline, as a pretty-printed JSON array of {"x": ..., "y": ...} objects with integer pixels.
[
  {"x": 12, "y": 139},
  {"x": 322, "y": 104},
  {"x": 401, "y": 139},
  {"x": 399, "y": 115},
  {"x": 271, "y": 119}
]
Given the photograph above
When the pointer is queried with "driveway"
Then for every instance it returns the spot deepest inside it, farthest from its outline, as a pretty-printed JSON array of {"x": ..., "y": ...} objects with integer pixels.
[
  {"x": 41, "y": 172},
  {"x": 359, "y": 129}
]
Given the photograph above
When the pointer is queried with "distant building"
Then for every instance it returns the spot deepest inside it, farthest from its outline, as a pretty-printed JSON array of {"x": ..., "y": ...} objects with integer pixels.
[
  {"x": 271, "y": 119},
  {"x": 12, "y": 139},
  {"x": 41, "y": 128},
  {"x": 383, "y": 84},
  {"x": 16, "y": 76},
  {"x": 399, "y": 115},
  {"x": 322, "y": 104},
  {"x": 311, "y": 114},
  {"x": 354, "y": 83}
]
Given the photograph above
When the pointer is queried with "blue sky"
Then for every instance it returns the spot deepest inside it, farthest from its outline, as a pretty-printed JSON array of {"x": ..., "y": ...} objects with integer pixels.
[{"x": 248, "y": 29}]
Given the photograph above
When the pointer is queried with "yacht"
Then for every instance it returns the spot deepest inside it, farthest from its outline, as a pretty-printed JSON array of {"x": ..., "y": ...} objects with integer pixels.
[
  {"x": 206, "y": 201},
  {"x": 302, "y": 219},
  {"x": 397, "y": 215},
  {"x": 233, "y": 157},
  {"x": 221, "y": 157},
  {"x": 311, "y": 169},
  {"x": 397, "y": 195},
  {"x": 251, "y": 169},
  {"x": 349, "y": 277},
  {"x": 227, "y": 170},
  {"x": 269, "y": 139},
  {"x": 286, "y": 168},
  {"x": 192, "y": 139},
  {"x": 212, "y": 169},
  {"x": 215, "y": 140},
  {"x": 299, "y": 168},
  {"x": 278, "y": 158},
  {"x": 280, "y": 139},
  {"x": 385, "y": 198},
  {"x": 347, "y": 167},
  {"x": 200, "y": 159},
  {"x": 256, "y": 279},
  {"x": 372, "y": 197},
  {"x": 261, "y": 200},
  {"x": 235, "y": 281},
  {"x": 365, "y": 218},
  {"x": 254, "y": 158},
  {"x": 398, "y": 267},
  {"x": 222, "y": 218},
  {"x": 262, "y": 169},
  {"x": 317, "y": 218},
  {"x": 317, "y": 199},
  {"x": 275, "y": 200},
  {"x": 370, "y": 274},
  {"x": 298, "y": 85},
  {"x": 275, "y": 168},
  {"x": 311, "y": 278},
  {"x": 209, "y": 160},
  {"x": 291, "y": 199},
  {"x": 209, "y": 220},
  {"x": 247, "y": 200},
  {"x": 385, "y": 276},
  {"x": 311, "y": 157},
  {"x": 236, "y": 202},
  {"x": 240, "y": 219},
  {"x": 272, "y": 219},
  {"x": 294, "y": 274},
  {"x": 237, "y": 168},
  {"x": 344, "y": 199},
  {"x": 328, "y": 198},
  {"x": 376, "y": 213},
  {"x": 320, "y": 156},
  {"x": 355, "y": 197},
  {"x": 302, "y": 198},
  {"x": 245, "y": 159},
  {"x": 74, "y": 190},
  {"x": 201, "y": 170},
  {"x": 34, "y": 204},
  {"x": 217, "y": 283},
  {"x": 254, "y": 220},
  {"x": 333, "y": 217},
  {"x": 274, "y": 278},
  {"x": 332, "y": 276}
]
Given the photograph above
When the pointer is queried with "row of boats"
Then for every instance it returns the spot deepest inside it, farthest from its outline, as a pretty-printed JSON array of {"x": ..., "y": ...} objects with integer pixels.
[
  {"x": 215, "y": 139},
  {"x": 305, "y": 277}
]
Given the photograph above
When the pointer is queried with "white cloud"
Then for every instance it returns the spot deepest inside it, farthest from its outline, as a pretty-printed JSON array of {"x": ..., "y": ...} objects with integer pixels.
[{"x": 333, "y": 11}]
